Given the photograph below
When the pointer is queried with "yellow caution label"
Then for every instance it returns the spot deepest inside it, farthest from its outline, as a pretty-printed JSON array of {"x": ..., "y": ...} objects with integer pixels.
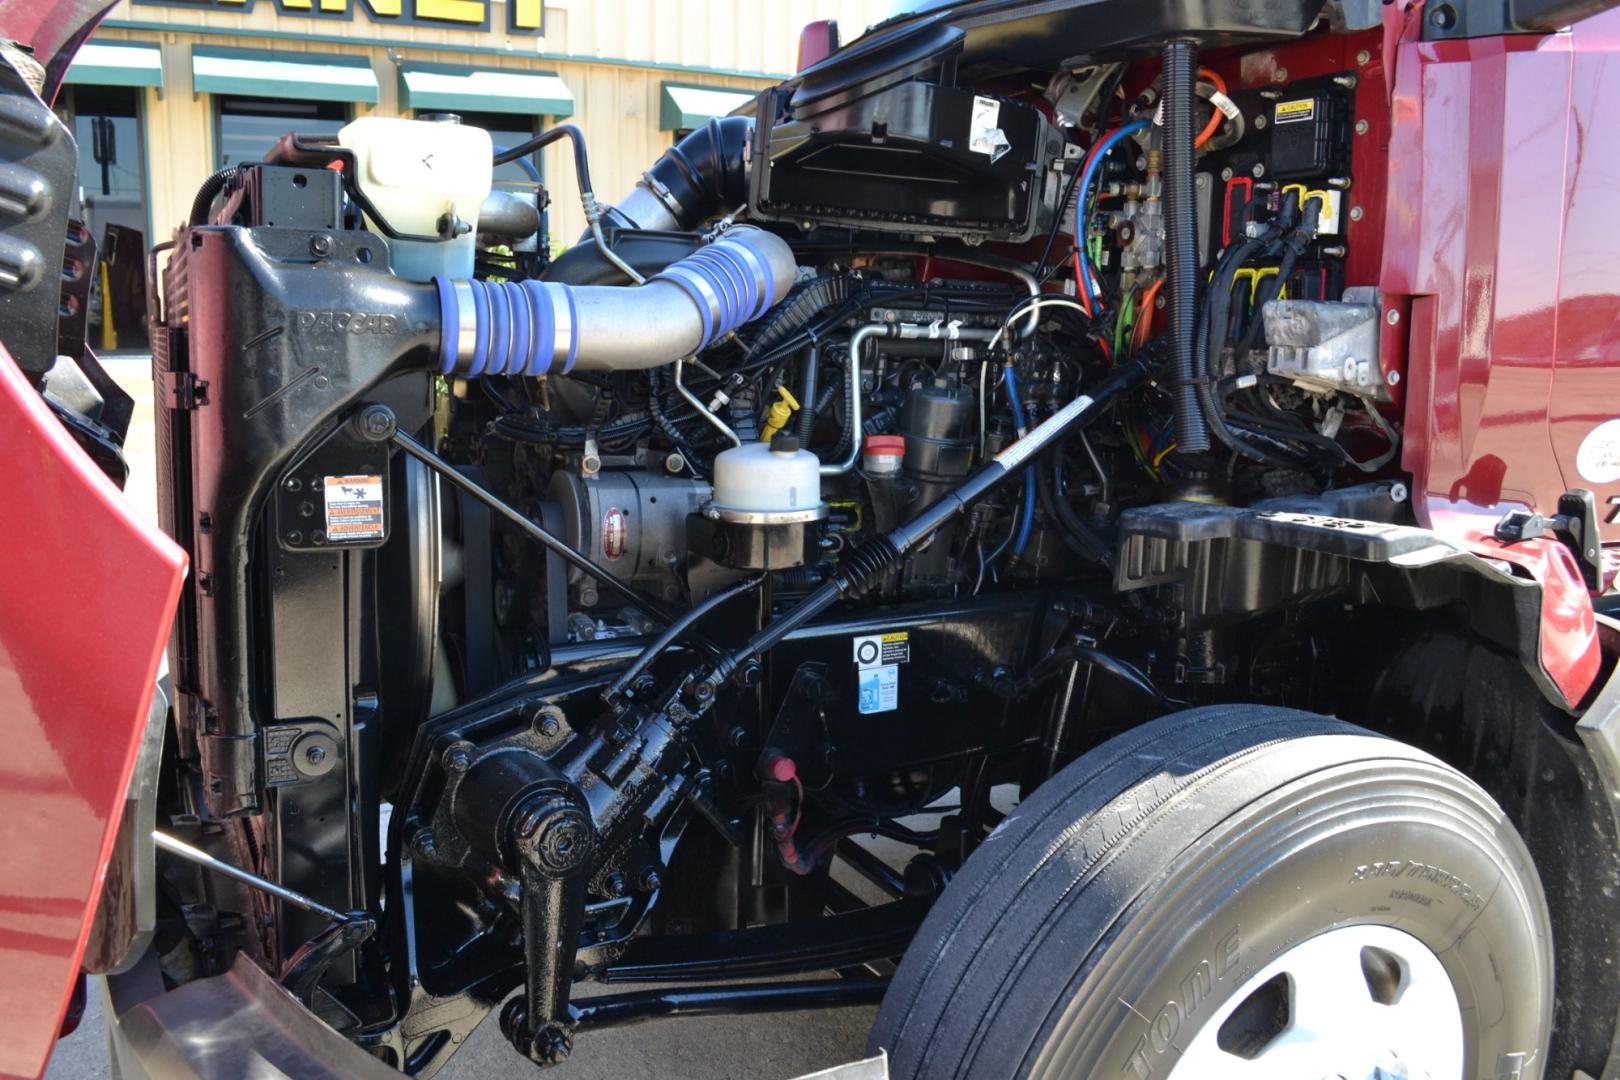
[{"x": 1287, "y": 112}]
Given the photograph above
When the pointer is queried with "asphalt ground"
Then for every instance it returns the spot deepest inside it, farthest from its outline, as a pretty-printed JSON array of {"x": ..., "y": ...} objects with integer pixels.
[{"x": 763, "y": 1047}]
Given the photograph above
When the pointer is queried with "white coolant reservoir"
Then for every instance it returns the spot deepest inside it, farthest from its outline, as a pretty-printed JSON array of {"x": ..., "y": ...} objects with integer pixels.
[
  {"x": 768, "y": 484},
  {"x": 415, "y": 172}
]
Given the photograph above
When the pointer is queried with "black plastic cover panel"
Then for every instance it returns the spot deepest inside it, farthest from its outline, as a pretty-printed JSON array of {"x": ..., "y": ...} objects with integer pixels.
[{"x": 913, "y": 157}]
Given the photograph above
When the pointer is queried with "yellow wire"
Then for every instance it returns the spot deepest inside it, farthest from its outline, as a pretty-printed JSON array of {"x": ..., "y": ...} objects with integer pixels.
[{"x": 1162, "y": 454}]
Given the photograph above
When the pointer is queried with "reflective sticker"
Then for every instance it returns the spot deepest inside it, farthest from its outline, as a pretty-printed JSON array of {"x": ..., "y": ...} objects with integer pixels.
[
  {"x": 880, "y": 689},
  {"x": 1598, "y": 459},
  {"x": 354, "y": 508}
]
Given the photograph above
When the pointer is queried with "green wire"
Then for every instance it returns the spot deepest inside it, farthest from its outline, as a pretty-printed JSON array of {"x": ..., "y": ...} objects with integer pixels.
[{"x": 1125, "y": 319}]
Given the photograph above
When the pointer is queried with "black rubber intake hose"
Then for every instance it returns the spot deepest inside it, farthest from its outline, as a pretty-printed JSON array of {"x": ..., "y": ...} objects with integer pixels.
[
  {"x": 701, "y": 175},
  {"x": 1181, "y": 237}
]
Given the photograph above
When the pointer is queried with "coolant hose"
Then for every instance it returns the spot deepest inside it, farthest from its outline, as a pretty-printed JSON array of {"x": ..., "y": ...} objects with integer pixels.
[
  {"x": 1181, "y": 237},
  {"x": 535, "y": 327}
]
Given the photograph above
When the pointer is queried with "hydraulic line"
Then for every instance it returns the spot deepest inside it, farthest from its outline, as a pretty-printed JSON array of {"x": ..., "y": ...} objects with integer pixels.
[
  {"x": 587, "y": 194},
  {"x": 872, "y": 560},
  {"x": 1021, "y": 427},
  {"x": 1093, "y": 164},
  {"x": 1181, "y": 239},
  {"x": 644, "y": 659},
  {"x": 211, "y": 187}
]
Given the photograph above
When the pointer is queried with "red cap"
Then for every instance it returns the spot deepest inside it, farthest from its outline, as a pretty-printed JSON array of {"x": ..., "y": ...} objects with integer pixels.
[
  {"x": 781, "y": 768},
  {"x": 885, "y": 444}
]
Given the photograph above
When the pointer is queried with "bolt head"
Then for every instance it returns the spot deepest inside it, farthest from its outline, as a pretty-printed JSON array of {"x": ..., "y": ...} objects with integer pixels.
[
  {"x": 315, "y": 755},
  {"x": 423, "y": 842},
  {"x": 650, "y": 879},
  {"x": 458, "y": 758},
  {"x": 1260, "y": 122},
  {"x": 1362, "y": 127},
  {"x": 1280, "y": 75},
  {"x": 1355, "y": 213},
  {"x": 1259, "y": 170},
  {"x": 376, "y": 422},
  {"x": 1226, "y": 173},
  {"x": 1363, "y": 56},
  {"x": 1392, "y": 317},
  {"x": 320, "y": 246},
  {"x": 1393, "y": 378}
]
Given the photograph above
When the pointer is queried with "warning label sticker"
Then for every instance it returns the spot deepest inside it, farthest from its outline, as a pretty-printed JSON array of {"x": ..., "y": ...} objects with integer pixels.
[
  {"x": 880, "y": 689},
  {"x": 875, "y": 650},
  {"x": 1289, "y": 112},
  {"x": 354, "y": 508}
]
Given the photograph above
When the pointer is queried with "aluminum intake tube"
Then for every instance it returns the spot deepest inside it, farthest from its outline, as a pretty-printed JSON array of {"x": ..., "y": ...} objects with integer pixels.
[{"x": 536, "y": 327}]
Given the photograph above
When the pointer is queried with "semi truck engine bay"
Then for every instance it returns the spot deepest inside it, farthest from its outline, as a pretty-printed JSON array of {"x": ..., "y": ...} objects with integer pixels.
[{"x": 1004, "y": 381}]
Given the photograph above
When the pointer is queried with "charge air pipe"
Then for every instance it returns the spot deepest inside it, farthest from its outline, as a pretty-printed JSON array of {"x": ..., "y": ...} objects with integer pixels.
[{"x": 540, "y": 327}]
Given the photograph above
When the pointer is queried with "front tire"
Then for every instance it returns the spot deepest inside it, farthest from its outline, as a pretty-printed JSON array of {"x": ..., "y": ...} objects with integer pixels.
[{"x": 1235, "y": 891}]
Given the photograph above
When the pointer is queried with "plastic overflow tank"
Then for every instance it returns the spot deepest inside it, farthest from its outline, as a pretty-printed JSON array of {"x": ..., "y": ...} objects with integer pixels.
[
  {"x": 764, "y": 481},
  {"x": 415, "y": 172}
]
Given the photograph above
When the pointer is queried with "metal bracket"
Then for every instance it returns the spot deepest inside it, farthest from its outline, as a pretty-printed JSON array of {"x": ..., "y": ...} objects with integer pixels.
[
  {"x": 1576, "y": 524},
  {"x": 183, "y": 390}
]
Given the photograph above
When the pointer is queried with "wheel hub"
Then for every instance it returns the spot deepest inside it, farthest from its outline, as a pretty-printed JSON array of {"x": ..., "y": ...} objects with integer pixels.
[{"x": 1355, "y": 1003}]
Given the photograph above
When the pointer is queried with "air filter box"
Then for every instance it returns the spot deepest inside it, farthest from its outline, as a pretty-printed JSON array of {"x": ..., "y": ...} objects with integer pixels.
[{"x": 909, "y": 157}]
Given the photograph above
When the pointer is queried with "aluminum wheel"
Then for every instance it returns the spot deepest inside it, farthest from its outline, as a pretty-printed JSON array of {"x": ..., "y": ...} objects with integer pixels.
[{"x": 1357, "y": 1003}]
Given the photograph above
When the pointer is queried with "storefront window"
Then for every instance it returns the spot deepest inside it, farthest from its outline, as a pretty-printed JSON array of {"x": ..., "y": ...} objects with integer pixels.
[
  {"x": 112, "y": 188},
  {"x": 249, "y": 127}
]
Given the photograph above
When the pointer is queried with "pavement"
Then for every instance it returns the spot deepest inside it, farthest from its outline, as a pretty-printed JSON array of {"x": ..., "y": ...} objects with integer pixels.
[{"x": 764, "y": 1047}]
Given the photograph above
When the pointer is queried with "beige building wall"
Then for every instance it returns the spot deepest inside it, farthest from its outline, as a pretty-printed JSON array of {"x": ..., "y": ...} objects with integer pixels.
[{"x": 612, "y": 54}]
